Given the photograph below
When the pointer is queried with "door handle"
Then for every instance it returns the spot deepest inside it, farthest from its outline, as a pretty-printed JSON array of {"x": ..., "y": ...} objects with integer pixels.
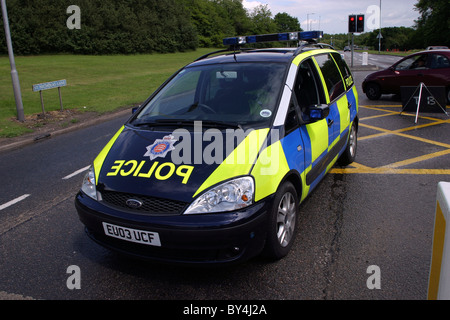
[
  {"x": 330, "y": 122},
  {"x": 349, "y": 105}
]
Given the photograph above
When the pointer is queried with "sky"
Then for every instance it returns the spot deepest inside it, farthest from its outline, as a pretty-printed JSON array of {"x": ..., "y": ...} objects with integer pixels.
[{"x": 331, "y": 16}]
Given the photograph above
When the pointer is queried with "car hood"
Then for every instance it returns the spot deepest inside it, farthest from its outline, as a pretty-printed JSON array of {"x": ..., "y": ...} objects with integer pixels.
[{"x": 170, "y": 166}]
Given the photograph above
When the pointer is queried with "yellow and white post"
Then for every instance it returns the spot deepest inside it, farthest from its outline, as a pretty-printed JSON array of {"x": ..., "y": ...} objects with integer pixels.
[{"x": 439, "y": 279}]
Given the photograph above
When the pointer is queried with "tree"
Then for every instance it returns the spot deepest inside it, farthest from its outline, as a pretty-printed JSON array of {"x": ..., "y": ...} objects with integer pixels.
[
  {"x": 286, "y": 23},
  {"x": 107, "y": 27},
  {"x": 393, "y": 38},
  {"x": 433, "y": 25},
  {"x": 262, "y": 20}
]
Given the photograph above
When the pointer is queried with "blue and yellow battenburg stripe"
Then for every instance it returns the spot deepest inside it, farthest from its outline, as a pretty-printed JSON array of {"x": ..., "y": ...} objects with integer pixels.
[{"x": 295, "y": 154}]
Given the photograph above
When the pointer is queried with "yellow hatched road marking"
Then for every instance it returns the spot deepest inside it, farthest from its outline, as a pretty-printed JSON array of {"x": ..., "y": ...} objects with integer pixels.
[
  {"x": 386, "y": 170},
  {"x": 417, "y": 159},
  {"x": 386, "y": 132},
  {"x": 395, "y": 168}
]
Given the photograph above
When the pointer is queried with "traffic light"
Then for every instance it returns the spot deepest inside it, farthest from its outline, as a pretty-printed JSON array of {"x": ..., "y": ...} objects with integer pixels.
[
  {"x": 360, "y": 23},
  {"x": 356, "y": 23},
  {"x": 352, "y": 23}
]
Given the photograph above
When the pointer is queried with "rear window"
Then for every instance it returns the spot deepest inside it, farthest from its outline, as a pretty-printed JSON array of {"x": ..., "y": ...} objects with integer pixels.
[
  {"x": 439, "y": 61},
  {"x": 331, "y": 75},
  {"x": 344, "y": 69}
]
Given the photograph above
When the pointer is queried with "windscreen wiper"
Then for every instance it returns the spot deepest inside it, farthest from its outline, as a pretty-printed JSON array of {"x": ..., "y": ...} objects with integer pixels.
[
  {"x": 222, "y": 124},
  {"x": 184, "y": 122}
]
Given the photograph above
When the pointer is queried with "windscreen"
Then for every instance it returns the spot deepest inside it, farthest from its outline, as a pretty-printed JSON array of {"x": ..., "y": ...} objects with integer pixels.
[{"x": 241, "y": 93}]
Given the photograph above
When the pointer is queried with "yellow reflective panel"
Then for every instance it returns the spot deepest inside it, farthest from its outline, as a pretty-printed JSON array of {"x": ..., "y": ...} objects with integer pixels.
[
  {"x": 239, "y": 162},
  {"x": 355, "y": 92},
  {"x": 318, "y": 135},
  {"x": 344, "y": 113},
  {"x": 269, "y": 170},
  {"x": 308, "y": 54},
  {"x": 98, "y": 162}
]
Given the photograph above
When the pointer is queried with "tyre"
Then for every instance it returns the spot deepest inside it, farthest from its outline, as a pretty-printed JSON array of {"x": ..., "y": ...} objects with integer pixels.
[
  {"x": 282, "y": 222},
  {"x": 349, "y": 154},
  {"x": 373, "y": 91},
  {"x": 448, "y": 96}
]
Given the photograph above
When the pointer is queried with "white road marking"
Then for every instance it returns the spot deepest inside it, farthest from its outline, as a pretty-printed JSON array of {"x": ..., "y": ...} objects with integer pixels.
[
  {"x": 76, "y": 173},
  {"x": 12, "y": 202}
]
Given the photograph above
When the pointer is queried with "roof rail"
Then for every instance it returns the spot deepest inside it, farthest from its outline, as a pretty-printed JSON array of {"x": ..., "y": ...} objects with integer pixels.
[
  {"x": 311, "y": 44},
  {"x": 229, "y": 49}
]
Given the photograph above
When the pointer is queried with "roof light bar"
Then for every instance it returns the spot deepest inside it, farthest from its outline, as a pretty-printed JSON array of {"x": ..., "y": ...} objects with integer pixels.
[{"x": 274, "y": 37}]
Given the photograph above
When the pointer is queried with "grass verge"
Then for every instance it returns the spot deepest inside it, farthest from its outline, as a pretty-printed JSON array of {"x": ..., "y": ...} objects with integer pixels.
[{"x": 97, "y": 84}]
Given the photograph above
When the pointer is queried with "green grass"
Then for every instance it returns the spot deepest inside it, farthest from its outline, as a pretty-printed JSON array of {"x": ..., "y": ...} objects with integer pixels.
[{"x": 94, "y": 83}]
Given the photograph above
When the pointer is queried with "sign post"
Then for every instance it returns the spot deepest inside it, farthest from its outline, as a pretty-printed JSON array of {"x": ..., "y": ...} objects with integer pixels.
[
  {"x": 430, "y": 99},
  {"x": 50, "y": 85}
]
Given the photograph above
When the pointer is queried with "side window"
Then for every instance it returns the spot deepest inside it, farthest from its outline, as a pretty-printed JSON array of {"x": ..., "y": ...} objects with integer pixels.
[
  {"x": 439, "y": 61},
  {"x": 343, "y": 67},
  {"x": 308, "y": 89},
  {"x": 415, "y": 62},
  {"x": 332, "y": 76}
]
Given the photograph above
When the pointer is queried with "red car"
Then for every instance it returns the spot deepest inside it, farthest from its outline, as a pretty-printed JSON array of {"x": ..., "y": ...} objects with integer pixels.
[{"x": 430, "y": 67}]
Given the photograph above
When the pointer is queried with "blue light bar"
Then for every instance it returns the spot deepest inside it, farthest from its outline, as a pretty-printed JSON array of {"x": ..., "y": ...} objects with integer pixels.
[
  {"x": 274, "y": 37},
  {"x": 234, "y": 41},
  {"x": 310, "y": 35}
]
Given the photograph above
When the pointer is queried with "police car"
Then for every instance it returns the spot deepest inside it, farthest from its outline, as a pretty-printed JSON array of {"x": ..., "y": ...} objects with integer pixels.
[{"x": 212, "y": 168}]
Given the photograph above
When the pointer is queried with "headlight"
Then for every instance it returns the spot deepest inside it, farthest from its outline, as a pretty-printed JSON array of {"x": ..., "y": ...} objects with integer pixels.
[
  {"x": 88, "y": 186},
  {"x": 231, "y": 195}
]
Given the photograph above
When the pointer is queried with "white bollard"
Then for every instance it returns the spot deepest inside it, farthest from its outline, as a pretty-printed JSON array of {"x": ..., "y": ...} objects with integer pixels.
[
  {"x": 365, "y": 58},
  {"x": 439, "y": 278}
]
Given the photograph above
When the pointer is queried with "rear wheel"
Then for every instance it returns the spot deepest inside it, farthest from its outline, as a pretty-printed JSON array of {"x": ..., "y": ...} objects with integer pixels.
[
  {"x": 282, "y": 222},
  {"x": 349, "y": 154},
  {"x": 373, "y": 91}
]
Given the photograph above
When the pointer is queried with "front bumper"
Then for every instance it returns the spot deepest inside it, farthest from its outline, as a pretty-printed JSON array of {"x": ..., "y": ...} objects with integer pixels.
[{"x": 219, "y": 238}]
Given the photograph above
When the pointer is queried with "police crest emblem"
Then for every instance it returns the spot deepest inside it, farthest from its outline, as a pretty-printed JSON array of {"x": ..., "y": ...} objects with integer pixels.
[{"x": 160, "y": 147}]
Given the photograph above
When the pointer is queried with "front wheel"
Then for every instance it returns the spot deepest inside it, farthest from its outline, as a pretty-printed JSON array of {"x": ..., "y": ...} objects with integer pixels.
[
  {"x": 282, "y": 222},
  {"x": 373, "y": 91}
]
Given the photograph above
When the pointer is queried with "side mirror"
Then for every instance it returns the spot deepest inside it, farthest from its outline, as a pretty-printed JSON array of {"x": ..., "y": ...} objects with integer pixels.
[
  {"x": 318, "y": 112},
  {"x": 134, "y": 109}
]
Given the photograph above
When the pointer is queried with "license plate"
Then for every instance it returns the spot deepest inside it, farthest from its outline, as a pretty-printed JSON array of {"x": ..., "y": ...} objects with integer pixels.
[{"x": 132, "y": 235}]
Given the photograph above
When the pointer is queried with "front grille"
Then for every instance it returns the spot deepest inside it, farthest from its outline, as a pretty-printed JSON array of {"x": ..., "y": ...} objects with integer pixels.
[{"x": 150, "y": 205}]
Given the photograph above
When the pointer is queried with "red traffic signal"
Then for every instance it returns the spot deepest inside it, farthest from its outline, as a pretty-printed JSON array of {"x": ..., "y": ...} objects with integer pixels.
[
  {"x": 360, "y": 24},
  {"x": 352, "y": 23}
]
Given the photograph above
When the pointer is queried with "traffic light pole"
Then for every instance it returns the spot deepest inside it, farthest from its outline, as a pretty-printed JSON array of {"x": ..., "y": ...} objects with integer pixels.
[
  {"x": 14, "y": 74},
  {"x": 353, "y": 46}
]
